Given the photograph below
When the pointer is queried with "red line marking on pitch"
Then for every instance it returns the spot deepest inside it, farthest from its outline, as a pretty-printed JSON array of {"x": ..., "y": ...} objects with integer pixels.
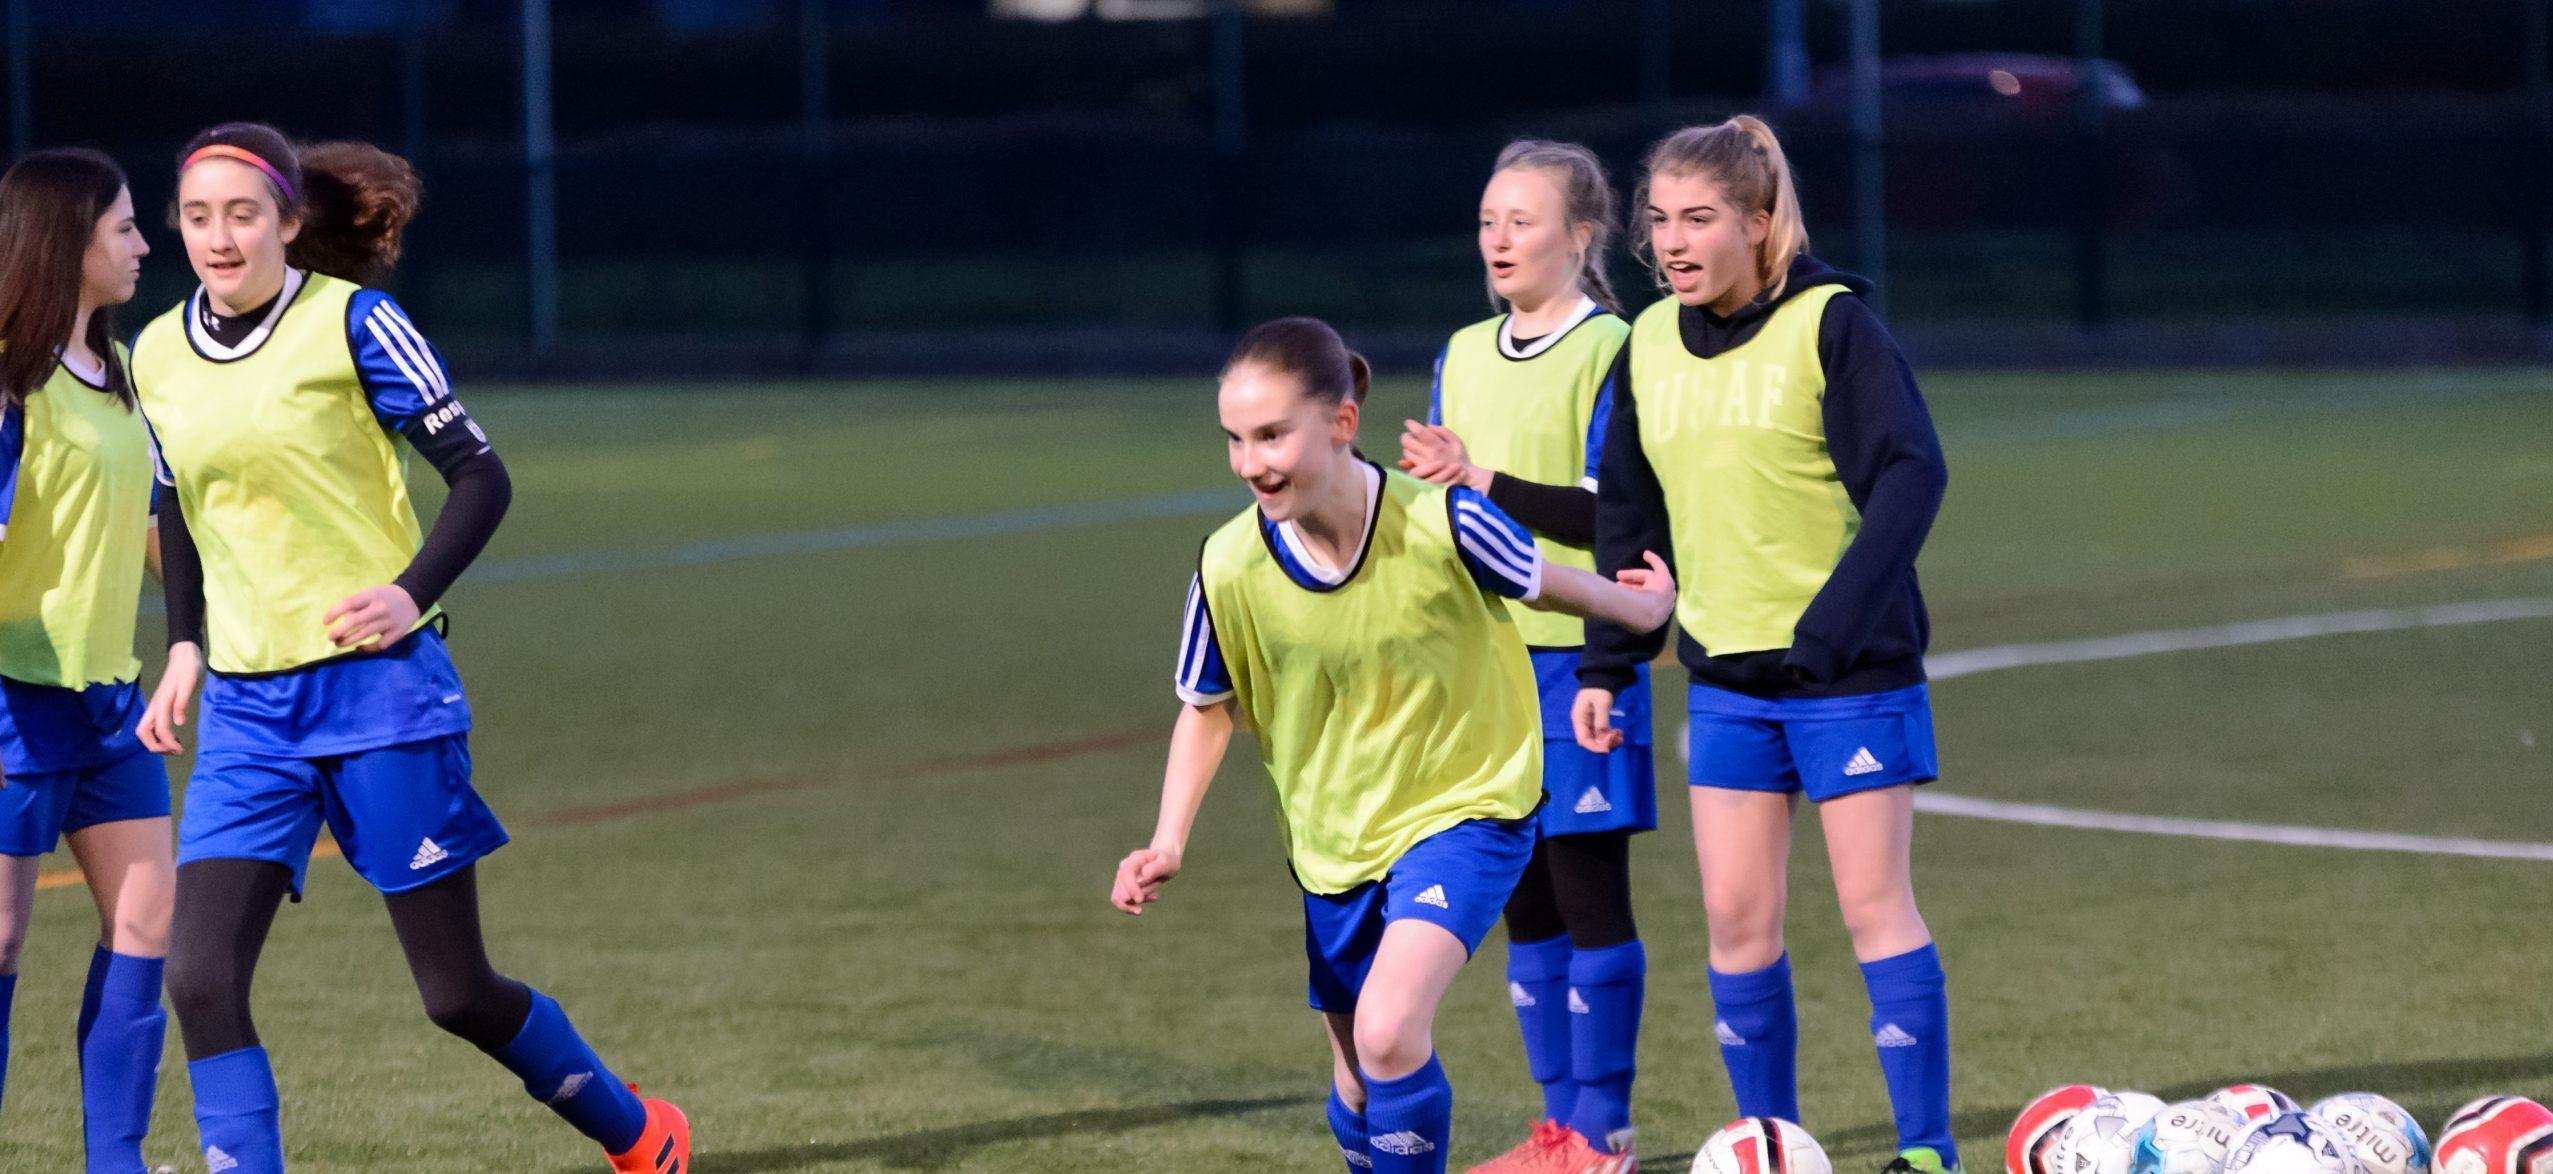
[{"x": 1032, "y": 755}]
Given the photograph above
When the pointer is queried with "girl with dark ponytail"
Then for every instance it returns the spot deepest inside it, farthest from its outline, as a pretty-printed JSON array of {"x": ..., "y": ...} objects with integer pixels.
[
  {"x": 75, "y": 519},
  {"x": 1357, "y": 619},
  {"x": 281, "y": 392},
  {"x": 1518, "y": 414}
]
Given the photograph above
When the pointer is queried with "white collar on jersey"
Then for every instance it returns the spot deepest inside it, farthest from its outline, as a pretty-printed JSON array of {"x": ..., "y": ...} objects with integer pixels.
[
  {"x": 93, "y": 376},
  {"x": 1330, "y": 576},
  {"x": 204, "y": 342},
  {"x": 1587, "y": 308}
]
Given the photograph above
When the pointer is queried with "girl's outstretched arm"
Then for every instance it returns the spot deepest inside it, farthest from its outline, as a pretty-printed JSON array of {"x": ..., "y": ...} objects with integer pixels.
[{"x": 1197, "y": 744}]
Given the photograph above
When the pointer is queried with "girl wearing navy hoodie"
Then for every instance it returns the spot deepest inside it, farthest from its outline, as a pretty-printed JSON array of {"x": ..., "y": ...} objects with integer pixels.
[{"x": 1767, "y": 431}]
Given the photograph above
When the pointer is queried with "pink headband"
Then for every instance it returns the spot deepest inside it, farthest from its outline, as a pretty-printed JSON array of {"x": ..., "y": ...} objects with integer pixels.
[{"x": 244, "y": 155}]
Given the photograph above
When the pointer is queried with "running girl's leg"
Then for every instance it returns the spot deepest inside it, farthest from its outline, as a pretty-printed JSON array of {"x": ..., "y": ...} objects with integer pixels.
[
  {"x": 131, "y": 868},
  {"x": 224, "y": 909},
  {"x": 1409, "y": 1105}
]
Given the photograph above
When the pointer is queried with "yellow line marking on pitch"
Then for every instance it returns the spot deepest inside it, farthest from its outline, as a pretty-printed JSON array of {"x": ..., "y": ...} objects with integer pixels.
[
  {"x": 63, "y": 878},
  {"x": 2533, "y": 548}
]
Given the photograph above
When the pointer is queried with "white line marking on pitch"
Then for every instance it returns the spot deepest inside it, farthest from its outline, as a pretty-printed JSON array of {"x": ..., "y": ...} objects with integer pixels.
[
  {"x": 1948, "y": 665},
  {"x": 2042, "y": 815}
]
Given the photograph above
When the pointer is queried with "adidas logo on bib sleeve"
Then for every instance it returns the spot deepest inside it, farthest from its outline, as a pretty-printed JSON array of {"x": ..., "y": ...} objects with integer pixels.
[{"x": 1863, "y": 763}]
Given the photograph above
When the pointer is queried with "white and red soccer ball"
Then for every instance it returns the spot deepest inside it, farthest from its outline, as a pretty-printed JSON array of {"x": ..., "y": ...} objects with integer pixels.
[
  {"x": 2034, "y": 1133},
  {"x": 2497, "y": 1135},
  {"x": 2254, "y": 1102},
  {"x": 1762, "y": 1145}
]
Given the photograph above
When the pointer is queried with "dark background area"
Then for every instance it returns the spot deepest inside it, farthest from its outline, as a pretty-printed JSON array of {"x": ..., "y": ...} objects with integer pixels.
[{"x": 2282, "y": 179}]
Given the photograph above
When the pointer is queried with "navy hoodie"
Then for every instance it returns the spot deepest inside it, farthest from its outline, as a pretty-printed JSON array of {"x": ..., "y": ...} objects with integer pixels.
[{"x": 1866, "y": 630}]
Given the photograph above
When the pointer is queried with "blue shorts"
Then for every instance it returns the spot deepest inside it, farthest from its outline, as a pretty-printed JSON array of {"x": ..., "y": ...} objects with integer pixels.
[
  {"x": 1585, "y": 792},
  {"x": 37, "y": 810},
  {"x": 1822, "y": 747},
  {"x": 405, "y": 816},
  {"x": 1459, "y": 878}
]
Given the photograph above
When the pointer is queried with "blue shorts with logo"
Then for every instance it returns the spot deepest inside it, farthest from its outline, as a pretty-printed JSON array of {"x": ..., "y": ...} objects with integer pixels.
[
  {"x": 1587, "y": 792},
  {"x": 1459, "y": 878},
  {"x": 376, "y": 748},
  {"x": 1821, "y": 747},
  {"x": 72, "y": 761},
  {"x": 405, "y": 816}
]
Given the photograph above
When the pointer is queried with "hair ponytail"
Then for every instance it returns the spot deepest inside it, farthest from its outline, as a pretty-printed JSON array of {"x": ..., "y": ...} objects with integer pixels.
[
  {"x": 1310, "y": 351},
  {"x": 1586, "y": 197},
  {"x": 1745, "y": 158},
  {"x": 354, "y": 200},
  {"x": 355, "y": 211}
]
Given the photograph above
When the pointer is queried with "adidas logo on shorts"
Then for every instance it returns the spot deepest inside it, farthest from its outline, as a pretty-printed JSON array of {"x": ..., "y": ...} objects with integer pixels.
[
  {"x": 1577, "y": 1006},
  {"x": 428, "y": 855},
  {"x": 215, "y": 1161},
  {"x": 1404, "y": 1143},
  {"x": 1592, "y": 802},
  {"x": 1863, "y": 763},
  {"x": 1893, "y": 1036},
  {"x": 1729, "y": 1038},
  {"x": 1516, "y": 994},
  {"x": 1432, "y": 895}
]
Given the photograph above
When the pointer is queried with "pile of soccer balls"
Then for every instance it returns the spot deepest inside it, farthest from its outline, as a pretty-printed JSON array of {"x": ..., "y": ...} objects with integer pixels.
[{"x": 2244, "y": 1129}]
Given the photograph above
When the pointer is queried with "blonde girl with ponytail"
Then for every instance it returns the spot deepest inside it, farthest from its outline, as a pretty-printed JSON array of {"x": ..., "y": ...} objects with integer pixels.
[
  {"x": 1518, "y": 414},
  {"x": 1769, "y": 433}
]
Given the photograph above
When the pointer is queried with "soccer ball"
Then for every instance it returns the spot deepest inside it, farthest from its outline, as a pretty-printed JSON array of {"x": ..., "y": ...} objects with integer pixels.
[
  {"x": 2254, "y": 1102},
  {"x": 1762, "y": 1145},
  {"x": 2498, "y": 1135},
  {"x": 2291, "y": 1143},
  {"x": 2191, "y": 1137},
  {"x": 2387, "y": 1139},
  {"x": 2101, "y": 1137},
  {"x": 2032, "y": 1142}
]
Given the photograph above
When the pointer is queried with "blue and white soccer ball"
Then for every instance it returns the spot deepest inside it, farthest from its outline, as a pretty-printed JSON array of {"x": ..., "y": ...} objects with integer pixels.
[
  {"x": 2386, "y": 1137},
  {"x": 2101, "y": 1137},
  {"x": 2191, "y": 1137},
  {"x": 2292, "y": 1143}
]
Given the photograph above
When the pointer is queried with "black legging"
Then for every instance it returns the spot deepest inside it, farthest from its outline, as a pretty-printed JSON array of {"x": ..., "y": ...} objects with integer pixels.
[
  {"x": 226, "y": 907},
  {"x": 1576, "y": 885}
]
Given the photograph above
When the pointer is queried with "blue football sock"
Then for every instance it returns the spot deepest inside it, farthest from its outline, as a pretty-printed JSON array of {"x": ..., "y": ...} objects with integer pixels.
[
  {"x": 1910, "y": 1021},
  {"x": 120, "y": 1032},
  {"x": 237, "y": 1112},
  {"x": 1348, "y": 1126},
  {"x": 8, "y": 995},
  {"x": 1538, "y": 984},
  {"x": 1604, "y": 1033},
  {"x": 560, "y": 1071},
  {"x": 1409, "y": 1122},
  {"x": 1759, "y": 1029}
]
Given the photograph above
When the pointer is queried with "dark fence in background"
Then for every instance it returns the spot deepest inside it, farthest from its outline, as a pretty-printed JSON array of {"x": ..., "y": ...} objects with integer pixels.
[{"x": 973, "y": 192}]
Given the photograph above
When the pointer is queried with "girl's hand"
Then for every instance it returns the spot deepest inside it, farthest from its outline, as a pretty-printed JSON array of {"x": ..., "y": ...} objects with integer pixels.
[
  {"x": 375, "y": 616},
  {"x": 1591, "y": 718},
  {"x": 1140, "y": 877},
  {"x": 1431, "y": 452},
  {"x": 1655, "y": 588},
  {"x": 171, "y": 702}
]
